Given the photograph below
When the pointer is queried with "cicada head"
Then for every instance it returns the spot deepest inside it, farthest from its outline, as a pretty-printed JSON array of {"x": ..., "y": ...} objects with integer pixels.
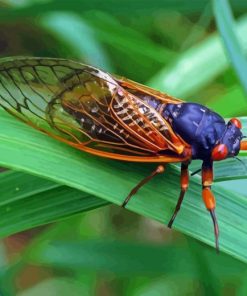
[{"x": 230, "y": 142}]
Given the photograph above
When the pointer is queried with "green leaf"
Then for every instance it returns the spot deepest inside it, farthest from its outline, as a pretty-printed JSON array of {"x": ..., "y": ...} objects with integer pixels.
[
  {"x": 73, "y": 31},
  {"x": 27, "y": 201},
  {"x": 23, "y": 148},
  {"x": 111, "y": 256},
  {"x": 111, "y": 6},
  {"x": 227, "y": 170},
  {"x": 226, "y": 26},
  {"x": 56, "y": 286},
  {"x": 172, "y": 285},
  {"x": 127, "y": 258},
  {"x": 231, "y": 103},
  {"x": 198, "y": 66},
  {"x": 231, "y": 169},
  {"x": 127, "y": 40}
]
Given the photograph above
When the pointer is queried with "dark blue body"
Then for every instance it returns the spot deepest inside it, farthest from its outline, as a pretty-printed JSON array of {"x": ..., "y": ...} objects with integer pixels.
[{"x": 202, "y": 128}]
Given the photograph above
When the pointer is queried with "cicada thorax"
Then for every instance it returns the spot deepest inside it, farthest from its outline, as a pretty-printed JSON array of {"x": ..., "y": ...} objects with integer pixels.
[{"x": 205, "y": 130}]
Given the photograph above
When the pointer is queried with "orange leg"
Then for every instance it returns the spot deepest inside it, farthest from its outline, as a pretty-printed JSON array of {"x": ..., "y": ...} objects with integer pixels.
[
  {"x": 160, "y": 169},
  {"x": 184, "y": 183},
  {"x": 208, "y": 197},
  {"x": 243, "y": 145}
]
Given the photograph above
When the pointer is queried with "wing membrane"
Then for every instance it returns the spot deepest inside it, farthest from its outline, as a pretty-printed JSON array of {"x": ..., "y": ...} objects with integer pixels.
[{"x": 84, "y": 107}]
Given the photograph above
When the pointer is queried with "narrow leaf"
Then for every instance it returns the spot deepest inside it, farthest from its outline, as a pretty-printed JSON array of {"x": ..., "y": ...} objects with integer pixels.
[
  {"x": 111, "y": 6},
  {"x": 72, "y": 30},
  {"x": 40, "y": 155},
  {"x": 226, "y": 26},
  {"x": 198, "y": 66},
  {"x": 27, "y": 201},
  {"x": 127, "y": 258}
]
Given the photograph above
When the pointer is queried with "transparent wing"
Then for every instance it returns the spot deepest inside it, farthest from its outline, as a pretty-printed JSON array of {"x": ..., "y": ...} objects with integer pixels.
[{"x": 79, "y": 105}]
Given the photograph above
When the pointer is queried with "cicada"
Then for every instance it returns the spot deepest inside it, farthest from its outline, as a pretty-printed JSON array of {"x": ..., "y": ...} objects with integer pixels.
[{"x": 117, "y": 118}]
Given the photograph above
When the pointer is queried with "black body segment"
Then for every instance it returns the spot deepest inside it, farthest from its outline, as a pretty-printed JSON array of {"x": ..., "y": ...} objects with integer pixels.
[{"x": 202, "y": 128}]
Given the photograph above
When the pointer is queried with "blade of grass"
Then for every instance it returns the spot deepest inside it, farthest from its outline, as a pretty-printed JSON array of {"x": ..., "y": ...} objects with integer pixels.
[
  {"x": 125, "y": 258},
  {"x": 106, "y": 256},
  {"x": 23, "y": 148},
  {"x": 62, "y": 286},
  {"x": 27, "y": 201},
  {"x": 229, "y": 169},
  {"x": 199, "y": 29},
  {"x": 111, "y": 256},
  {"x": 17, "y": 185},
  {"x": 111, "y": 32},
  {"x": 228, "y": 100},
  {"x": 197, "y": 66},
  {"x": 226, "y": 26},
  {"x": 72, "y": 30},
  {"x": 111, "y": 6}
]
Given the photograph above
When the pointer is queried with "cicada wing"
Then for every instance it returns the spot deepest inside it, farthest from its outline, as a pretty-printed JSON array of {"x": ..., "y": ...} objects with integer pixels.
[
  {"x": 141, "y": 90},
  {"x": 147, "y": 106},
  {"x": 29, "y": 88},
  {"x": 66, "y": 99},
  {"x": 72, "y": 102}
]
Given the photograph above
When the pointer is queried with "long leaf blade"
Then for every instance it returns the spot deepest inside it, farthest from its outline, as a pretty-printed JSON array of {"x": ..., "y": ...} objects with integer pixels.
[
  {"x": 112, "y": 180},
  {"x": 226, "y": 26},
  {"x": 27, "y": 201},
  {"x": 122, "y": 7},
  {"x": 198, "y": 66},
  {"x": 124, "y": 258}
]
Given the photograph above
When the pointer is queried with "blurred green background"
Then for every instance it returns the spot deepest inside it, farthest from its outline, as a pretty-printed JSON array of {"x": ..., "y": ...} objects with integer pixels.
[{"x": 195, "y": 50}]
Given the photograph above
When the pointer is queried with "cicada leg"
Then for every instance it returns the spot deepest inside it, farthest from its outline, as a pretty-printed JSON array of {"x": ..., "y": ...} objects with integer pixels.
[
  {"x": 184, "y": 183},
  {"x": 208, "y": 197},
  {"x": 160, "y": 169}
]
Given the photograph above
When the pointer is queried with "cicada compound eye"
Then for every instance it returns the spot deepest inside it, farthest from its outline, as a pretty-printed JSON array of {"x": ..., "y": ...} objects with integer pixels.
[
  {"x": 219, "y": 152},
  {"x": 236, "y": 122}
]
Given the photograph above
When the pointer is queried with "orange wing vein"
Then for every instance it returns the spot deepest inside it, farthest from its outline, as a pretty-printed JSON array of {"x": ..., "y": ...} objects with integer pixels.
[{"x": 90, "y": 109}]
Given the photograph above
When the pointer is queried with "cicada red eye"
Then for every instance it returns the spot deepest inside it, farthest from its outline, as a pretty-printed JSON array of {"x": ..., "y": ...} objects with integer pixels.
[
  {"x": 236, "y": 122},
  {"x": 219, "y": 152}
]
